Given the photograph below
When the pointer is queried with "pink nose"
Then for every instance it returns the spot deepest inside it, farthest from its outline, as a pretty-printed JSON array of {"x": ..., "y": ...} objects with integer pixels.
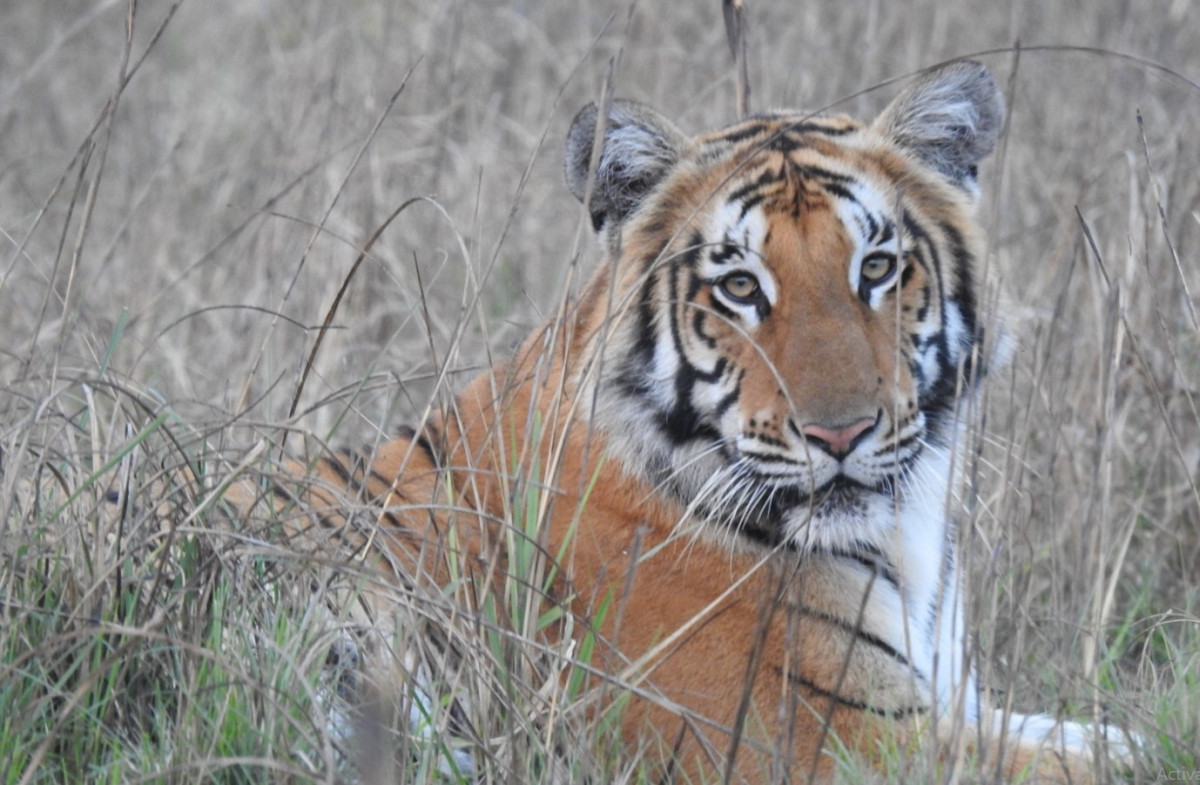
[{"x": 838, "y": 442}]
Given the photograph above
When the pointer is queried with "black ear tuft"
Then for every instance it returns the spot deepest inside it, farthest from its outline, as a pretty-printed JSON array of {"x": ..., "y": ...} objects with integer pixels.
[
  {"x": 640, "y": 147},
  {"x": 950, "y": 119}
]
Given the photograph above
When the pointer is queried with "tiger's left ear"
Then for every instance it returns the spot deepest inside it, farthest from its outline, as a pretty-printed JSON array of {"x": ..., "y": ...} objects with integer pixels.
[{"x": 950, "y": 118}]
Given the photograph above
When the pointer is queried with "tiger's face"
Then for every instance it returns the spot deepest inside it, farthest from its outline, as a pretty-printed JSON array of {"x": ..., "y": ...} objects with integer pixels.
[{"x": 796, "y": 312}]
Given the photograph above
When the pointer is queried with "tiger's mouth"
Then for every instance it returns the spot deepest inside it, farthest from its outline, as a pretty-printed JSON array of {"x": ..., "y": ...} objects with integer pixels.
[
  {"x": 840, "y": 495},
  {"x": 768, "y": 522},
  {"x": 844, "y": 491},
  {"x": 774, "y": 499}
]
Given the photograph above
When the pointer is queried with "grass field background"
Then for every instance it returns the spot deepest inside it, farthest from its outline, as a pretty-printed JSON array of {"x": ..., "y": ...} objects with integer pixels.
[{"x": 185, "y": 188}]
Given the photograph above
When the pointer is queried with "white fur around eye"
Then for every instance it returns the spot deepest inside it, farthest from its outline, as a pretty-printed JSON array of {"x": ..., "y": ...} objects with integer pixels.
[
  {"x": 875, "y": 290},
  {"x": 868, "y": 210},
  {"x": 745, "y": 232}
]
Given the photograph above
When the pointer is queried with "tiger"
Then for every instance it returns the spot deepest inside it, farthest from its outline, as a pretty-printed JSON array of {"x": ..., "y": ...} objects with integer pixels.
[{"x": 744, "y": 426}]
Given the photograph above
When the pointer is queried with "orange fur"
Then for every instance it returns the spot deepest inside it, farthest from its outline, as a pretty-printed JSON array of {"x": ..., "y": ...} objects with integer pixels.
[{"x": 743, "y": 655}]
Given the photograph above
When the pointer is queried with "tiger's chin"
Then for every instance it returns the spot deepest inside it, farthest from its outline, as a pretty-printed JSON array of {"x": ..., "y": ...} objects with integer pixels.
[{"x": 844, "y": 515}]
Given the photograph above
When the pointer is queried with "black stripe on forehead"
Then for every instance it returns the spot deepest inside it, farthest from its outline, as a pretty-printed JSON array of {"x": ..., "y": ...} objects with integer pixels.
[
  {"x": 821, "y": 174},
  {"x": 875, "y": 229},
  {"x": 768, "y": 177},
  {"x": 776, "y": 168},
  {"x": 867, "y": 224},
  {"x": 805, "y": 181},
  {"x": 780, "y": 134},
  {"x": 779, "y": 163},
  {"x": 727, "y": 250},
  {"x": 884, "y": 233},
  {"x": 742, "y": 132}
]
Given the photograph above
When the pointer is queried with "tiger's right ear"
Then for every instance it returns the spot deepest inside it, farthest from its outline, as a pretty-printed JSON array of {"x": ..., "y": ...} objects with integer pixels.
[
  {"x": 640, "y": 147},
  {"x": 950, "y": 118}
]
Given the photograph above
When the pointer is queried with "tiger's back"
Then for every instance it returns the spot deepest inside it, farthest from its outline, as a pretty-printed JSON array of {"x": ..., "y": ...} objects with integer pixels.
[{"x": 742, "y": 431}]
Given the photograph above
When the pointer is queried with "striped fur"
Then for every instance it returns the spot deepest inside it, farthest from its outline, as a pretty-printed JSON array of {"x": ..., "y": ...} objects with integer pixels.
[{"x": 745, "y": 427}]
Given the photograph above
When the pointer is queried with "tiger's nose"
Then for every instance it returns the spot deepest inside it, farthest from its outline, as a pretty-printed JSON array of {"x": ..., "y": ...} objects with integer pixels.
[{"x": 840, "y": 440}]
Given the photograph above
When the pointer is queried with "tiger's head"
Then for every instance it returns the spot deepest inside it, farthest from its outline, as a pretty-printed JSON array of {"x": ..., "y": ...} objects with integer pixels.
[{"x": 788, "y": 313}]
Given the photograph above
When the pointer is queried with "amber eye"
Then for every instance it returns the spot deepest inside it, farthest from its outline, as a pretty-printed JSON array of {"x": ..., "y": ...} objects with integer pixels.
[
  {"x": 740, "y": 287},
  {"x": 878, "y": 268}
]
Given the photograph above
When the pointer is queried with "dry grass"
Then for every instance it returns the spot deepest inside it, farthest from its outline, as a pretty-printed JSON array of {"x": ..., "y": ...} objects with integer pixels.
[{"x": 171, "y": 242}]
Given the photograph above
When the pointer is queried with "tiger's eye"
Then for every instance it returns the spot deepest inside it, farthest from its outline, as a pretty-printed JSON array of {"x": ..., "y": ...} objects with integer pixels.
[
  {"x": 740, "y": 287},
  {"x": 878, "y": 267}
]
